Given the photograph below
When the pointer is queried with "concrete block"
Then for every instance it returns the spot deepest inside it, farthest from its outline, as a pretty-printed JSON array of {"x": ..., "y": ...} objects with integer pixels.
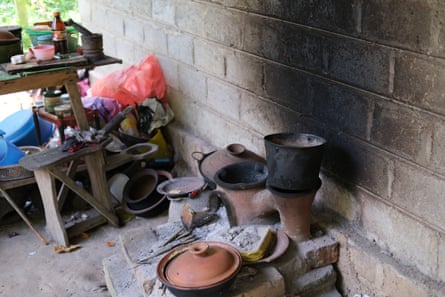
[
  {"x": 402, "y": 130},
  {"x": 224, "y": 26},
  {"x": 140, "y": 8},
  {"x": 336, "y": 197},
  {"x": 163, "y": 11},
  {"x": 245, "y": 71},
  {"x": 170, "y": 71},
  {"x": 381, "y": 24},
  {"x": 85, "y": 9},
  {"x": 341, "y": 108},
  {"x": 315, "y": 281},
  {"x": 318, "y": 252},
  {"x": 396, "y": 284},
  {"x": 367, "y": 269},
  {"x": 115, "y": 22},
  {"x": 210, "y": 58},
  {"x": 180, "y": 47},
  {"x": 123, "y": 46},
  {"x": 192, "y": 83},
  {"x": 190, "y": 17},
  {"x": 358, "y": 63},
  {"x": 302, "y": 48},
  {"x": 416, "y": 79},
  {"x": 336, "y": 16},
  {"x": 441, "y": 259},
  {"x": 420, "y": 192},
  {"x": 356, "y": 162},
  {"x": 155, "y": 38},
  {"x": 288, "y": 87},
  {"x": 133, "y": 30},
  {"x": 437, "y": 162},
  {"x": 382, "y": 223},
  {"x": 224, "y": 98},
  {"x": 264, "y": 116}
]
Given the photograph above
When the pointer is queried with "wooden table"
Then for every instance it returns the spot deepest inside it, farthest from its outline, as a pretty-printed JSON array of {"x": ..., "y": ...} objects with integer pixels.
[{"x": 47, "y": 168}]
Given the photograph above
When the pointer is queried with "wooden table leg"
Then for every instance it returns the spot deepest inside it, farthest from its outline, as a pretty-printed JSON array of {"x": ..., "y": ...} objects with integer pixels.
[
  {"x": 54, "y": 222},
  {"x": 96, "y": 170}
]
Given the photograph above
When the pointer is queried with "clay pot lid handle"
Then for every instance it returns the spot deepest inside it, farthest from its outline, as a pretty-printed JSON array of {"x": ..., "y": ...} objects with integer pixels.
[{"x": 199, "y": 249}]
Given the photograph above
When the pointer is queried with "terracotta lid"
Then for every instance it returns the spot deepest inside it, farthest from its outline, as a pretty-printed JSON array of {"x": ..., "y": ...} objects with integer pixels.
[{"x": 203, "y": 264}]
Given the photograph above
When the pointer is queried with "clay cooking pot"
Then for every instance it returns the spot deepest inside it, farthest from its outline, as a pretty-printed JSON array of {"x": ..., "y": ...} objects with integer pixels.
[{"x": 206, "y": 268}]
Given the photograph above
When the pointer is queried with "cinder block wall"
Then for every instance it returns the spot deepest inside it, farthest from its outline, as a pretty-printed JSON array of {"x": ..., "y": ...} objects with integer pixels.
[{"x": 369, "y": 76}]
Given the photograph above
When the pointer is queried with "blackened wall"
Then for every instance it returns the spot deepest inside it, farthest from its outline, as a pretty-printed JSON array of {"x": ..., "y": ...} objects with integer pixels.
[{"x": 369, "y": 76}]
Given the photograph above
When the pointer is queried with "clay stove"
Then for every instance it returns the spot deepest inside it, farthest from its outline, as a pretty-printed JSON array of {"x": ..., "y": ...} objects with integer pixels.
[{"x": 251, "y": 195}]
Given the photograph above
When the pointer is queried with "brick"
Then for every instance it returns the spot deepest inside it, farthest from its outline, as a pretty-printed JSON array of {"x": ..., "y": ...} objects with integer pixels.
[
  {"x": 224, "y": 26},
  {"x": 382, "y": 223},
  {"x": 288, "y": 87},
  {"x": 264, "y": 116},
  {"x": 302, "y": 48},
  {"x": 409, "y": 28},
  {"x": 164, "y": 11},
  {"x": 319, "y": 252},
  {"x": 341, "y": 108},
  {"x": 402, "y": 130},
  {"x": 223, "y": 98},
  {"x": 210, "y": 57},
  {"x": 416, "y": 81},
  {"x": 245, "y": 71},
  {"x": 420, "y": 192},
  {"x": 190, "y": 17},
  {"x": 180, "y": 47},
  {"x": 358, "y": 63}
]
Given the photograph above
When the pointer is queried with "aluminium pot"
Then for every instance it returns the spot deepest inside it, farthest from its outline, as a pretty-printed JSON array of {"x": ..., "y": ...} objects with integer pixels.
[{"x": 206, "y": 268}]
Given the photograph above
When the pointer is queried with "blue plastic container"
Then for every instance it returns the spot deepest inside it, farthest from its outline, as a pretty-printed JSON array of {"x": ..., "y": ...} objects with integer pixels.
[
  {"x": 9, "y": 153},
  {"x": 20, "y": 130}
]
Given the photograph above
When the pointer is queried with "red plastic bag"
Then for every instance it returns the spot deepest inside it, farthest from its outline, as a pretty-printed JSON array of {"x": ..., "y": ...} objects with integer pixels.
[{"x": 132, "y": 85}]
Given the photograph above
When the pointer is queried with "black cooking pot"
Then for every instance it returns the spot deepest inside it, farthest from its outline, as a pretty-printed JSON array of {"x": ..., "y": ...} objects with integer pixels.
[{"x": 140, "y": 196}]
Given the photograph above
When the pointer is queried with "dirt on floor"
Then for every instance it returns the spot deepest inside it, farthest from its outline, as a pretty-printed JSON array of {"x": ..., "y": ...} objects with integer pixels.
[{"x": 31, "y": 269}]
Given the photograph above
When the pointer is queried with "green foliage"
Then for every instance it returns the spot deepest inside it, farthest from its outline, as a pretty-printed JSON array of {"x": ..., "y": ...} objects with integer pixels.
[{"x": 36, "y": 11}]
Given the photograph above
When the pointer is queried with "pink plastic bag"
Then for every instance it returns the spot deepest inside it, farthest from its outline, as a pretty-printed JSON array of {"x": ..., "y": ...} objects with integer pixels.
[{"x": 132, "y": 85}]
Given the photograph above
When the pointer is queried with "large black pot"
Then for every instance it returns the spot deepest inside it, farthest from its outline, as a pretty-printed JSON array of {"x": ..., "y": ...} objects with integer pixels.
[{"x": 294, "y": 161}]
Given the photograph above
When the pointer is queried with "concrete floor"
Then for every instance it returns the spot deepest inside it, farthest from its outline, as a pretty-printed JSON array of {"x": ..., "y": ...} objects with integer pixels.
[{"x": 30, "y": 268}]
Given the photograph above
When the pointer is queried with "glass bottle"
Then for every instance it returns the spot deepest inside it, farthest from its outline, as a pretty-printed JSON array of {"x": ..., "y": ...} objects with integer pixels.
[{"x": 59, "y": 34}]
